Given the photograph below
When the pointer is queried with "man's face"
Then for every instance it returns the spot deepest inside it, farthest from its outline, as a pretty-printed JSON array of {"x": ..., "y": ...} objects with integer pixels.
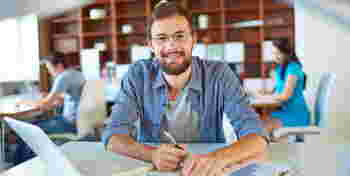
[
  {"x": 50, "y": 69},
  {"x": 172, "y": 42},
  {"x": 53, "y": 70}
]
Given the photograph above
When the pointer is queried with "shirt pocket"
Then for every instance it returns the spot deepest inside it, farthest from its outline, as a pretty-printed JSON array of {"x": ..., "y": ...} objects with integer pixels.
[{"x": 151, "y": 131}]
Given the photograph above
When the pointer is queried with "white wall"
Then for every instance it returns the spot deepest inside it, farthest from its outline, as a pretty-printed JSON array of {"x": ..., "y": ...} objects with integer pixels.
[
  {"x": 324, "y": 45},
  {"x": 323, "y": 42},
  {"x": 12, "y": 8}
]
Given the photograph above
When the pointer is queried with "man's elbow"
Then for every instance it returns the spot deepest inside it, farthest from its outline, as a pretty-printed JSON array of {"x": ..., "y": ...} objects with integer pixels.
[
  {"x": 117, "y": 143},
  {"x": 262, "y": 150},
  {"x": 263, "y": 143}
]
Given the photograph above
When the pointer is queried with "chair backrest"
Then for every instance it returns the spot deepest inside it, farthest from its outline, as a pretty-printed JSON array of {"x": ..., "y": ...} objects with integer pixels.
[
  {"x": 324, "y": 90},
  {"x": 92, "y": 108}
]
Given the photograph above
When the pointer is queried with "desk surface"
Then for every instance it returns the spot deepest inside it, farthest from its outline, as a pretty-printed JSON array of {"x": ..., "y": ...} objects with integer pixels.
[
  {"x": 264, "y": 103},
  {"x": 91, "y": 150},
  {"x": 8, "y": 106}
]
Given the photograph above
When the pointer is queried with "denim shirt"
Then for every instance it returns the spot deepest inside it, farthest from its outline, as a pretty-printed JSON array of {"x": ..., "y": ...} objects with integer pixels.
[{"x": 213, "y": 90}]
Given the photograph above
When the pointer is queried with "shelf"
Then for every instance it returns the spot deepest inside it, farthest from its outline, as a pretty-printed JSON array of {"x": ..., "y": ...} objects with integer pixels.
[
  {"x": 242, "y": 9},
  {"x": 130, "y": 16},
  {"x": 98, "y": 3},
  {"x": 71, "y": 52},
  {"x": 132, "y": 33},
  {"x": 205, "y": 11},
  {"x": 217, "y": 27},
  {"x": 125, "y": 1},
  {"x": 99, "y": 19},
  {"x": 64, "y": 36},
  {"x": 253, "y": 61},
  {"x": 66, "y": 20},
  {"x": 270, "y": 7},
  {"x": 278, "y": 25},
  {"x": 101, "y": 2},
  {"x": 121, "y": 48},
  {"x": 96, "y": 34}
]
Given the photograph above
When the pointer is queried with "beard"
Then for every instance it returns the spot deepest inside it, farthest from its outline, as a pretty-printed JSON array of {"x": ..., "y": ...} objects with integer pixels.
[{"x": 173, "y": 68}]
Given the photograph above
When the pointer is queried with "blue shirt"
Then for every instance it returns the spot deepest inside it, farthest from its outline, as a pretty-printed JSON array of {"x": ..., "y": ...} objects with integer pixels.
[
  {"x": 294, "y": 111},
  {"x": 213, "y": 90},
  {"x": 70, "y": 82}
]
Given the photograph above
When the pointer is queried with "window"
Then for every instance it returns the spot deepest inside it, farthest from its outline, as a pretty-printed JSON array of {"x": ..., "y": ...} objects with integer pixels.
[{"x": 19, "y": 48}]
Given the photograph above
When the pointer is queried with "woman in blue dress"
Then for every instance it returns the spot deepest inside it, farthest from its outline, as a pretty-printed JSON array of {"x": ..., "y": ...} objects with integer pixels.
[{"x": 289, "y": 81}]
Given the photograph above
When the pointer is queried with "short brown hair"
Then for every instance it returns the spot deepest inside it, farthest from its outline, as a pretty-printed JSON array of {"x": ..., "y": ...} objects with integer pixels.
[
  {"x": 55, "y": 59},
  {"x": 164, "y": 10}
]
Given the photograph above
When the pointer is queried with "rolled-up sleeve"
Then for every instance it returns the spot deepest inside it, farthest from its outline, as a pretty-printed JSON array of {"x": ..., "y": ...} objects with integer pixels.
[
  {"x": 236, "y": 105},
  {"x": 125, "y": 111}
]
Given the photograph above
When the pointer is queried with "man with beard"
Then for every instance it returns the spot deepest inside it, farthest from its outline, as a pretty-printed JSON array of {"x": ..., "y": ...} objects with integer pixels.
[{"x": 185, "y": 96}]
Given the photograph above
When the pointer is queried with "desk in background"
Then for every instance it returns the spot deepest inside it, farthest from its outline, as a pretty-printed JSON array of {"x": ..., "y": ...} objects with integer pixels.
[
  {"x": 9, "y": 108},
  {"x": 264, "y": 106}
]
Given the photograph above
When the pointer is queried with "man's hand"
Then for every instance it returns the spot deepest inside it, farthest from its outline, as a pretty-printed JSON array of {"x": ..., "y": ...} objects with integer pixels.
[
  {"x": 167, "y": 157},
  {"x": 203, "y": 165},
  {"x": 44, "y": 107}
]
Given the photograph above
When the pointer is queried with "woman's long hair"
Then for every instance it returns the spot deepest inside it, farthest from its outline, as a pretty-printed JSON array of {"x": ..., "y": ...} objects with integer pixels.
[{"x": 285, "y": 48}]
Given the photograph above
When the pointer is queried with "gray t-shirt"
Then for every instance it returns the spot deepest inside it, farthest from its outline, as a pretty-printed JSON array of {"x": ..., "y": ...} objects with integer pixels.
[
  {"x": 70, "y": 82},
  {"x": 181, "y": 122}
]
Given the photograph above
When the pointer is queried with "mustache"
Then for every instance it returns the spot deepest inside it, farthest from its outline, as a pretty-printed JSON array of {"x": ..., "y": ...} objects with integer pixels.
[{"x": 181, "y": 53}]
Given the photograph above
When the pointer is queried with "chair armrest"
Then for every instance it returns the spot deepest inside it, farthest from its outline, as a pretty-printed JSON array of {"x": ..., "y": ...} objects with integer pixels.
[{"x": 287, "y": 131}]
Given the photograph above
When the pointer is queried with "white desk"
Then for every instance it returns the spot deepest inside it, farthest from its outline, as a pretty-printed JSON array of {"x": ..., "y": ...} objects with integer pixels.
[
  {"x": 8, "y": 108},
  {"x": 95, "y": 151},
  {"x": 263, "y": 102}
]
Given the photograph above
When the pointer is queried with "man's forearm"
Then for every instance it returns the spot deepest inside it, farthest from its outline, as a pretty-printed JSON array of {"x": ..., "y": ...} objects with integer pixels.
[
  {"x": 126, "y": 145},
  {"x": 249, "y": 147}
]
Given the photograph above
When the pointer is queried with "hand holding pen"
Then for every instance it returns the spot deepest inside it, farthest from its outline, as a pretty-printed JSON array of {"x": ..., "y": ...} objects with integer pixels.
[{"x": 167, "y": 157}]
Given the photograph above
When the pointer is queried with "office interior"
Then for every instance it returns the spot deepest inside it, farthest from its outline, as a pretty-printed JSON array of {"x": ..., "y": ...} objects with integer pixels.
[{"x": 319, "y": 30}]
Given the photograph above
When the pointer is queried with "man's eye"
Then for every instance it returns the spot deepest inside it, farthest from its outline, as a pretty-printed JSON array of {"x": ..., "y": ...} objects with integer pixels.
[
  {"x": 162, "y": 38},
  {"x": 180, "y": 36}
]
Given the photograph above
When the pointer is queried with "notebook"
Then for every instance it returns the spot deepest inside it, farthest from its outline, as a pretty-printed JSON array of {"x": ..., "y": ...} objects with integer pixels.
[{"x": 61, "y": 163}]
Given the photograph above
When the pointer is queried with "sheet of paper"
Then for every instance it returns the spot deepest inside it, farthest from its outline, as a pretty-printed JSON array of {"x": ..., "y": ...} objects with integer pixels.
[
  {"x": 90, "y": 63},
  {"x": 200, "y": 50},
  {"x": 234, "y": 52},
  {"x": 140, "y": 52},
  {"x": 267, "y": 45},
  {"x": 216, "y": 52}
]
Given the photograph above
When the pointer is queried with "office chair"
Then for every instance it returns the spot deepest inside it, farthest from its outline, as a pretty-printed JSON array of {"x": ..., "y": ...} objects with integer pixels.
[
  {"x": 92, "y": 113},
  {"x": 298, "y": 154},
  {"x": 321, "y": 109}
]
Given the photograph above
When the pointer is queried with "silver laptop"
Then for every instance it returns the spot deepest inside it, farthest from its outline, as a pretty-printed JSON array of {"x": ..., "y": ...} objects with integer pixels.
[{"x": 65, "y": 163}]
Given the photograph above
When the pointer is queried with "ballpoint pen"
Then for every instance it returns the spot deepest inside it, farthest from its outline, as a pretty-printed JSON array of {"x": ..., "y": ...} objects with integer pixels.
[{"x": 172, "y": 139}]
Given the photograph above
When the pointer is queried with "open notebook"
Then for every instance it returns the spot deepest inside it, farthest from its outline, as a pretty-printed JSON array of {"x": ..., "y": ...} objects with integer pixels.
[{"x": 59, "y": 163}]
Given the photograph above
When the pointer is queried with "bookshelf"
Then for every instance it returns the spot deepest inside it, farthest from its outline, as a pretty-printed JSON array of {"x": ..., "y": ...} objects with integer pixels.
[{"x": 76, "y": 30}]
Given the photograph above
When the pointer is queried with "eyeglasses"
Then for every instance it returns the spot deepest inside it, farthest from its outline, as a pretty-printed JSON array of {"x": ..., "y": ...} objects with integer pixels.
[{"x": 177, "y": 37}]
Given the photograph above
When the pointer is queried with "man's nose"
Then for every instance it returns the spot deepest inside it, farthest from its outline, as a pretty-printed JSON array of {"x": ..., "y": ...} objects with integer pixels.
[{"x": 171, "y": 43}]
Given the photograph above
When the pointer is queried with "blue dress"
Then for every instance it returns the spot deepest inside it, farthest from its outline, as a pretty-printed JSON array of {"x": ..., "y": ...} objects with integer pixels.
[{"x": 294, "y": 111}]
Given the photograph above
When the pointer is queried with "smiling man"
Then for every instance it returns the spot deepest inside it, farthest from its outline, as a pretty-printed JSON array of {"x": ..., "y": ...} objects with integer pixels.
[{"x": 185, "y": 96}]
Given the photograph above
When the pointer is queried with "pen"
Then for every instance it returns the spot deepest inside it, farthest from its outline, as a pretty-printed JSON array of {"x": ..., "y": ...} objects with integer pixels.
[{"x": 172, "y": 139}]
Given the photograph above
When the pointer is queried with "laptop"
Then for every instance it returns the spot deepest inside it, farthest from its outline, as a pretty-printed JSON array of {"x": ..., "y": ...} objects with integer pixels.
[{"x": 65, "y": 163}]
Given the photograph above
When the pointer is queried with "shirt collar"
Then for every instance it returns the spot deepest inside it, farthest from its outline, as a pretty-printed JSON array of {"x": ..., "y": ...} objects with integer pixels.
[{"x": 195, "y": 82}]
